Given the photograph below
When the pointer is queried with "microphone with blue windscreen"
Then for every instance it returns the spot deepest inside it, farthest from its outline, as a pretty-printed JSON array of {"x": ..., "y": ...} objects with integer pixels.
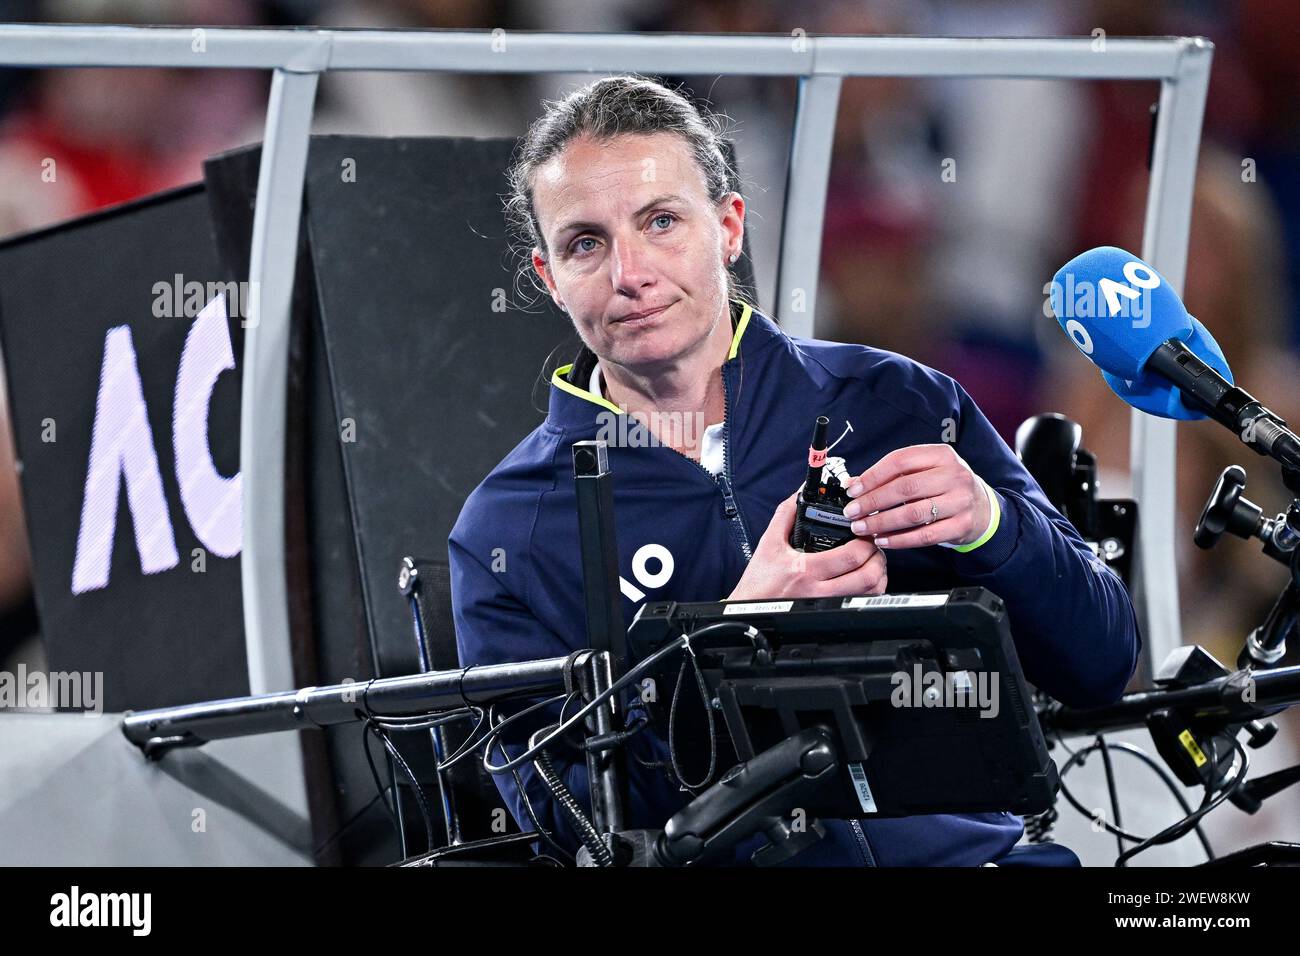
[{"x": 1128, "y": 321}]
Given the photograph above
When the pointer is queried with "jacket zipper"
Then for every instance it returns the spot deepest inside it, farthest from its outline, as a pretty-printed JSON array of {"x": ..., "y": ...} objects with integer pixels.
[
  {"x": 729, "y": 506},
  {"x": 863, "y": 845},
  {"x": 730, "y": 509}
]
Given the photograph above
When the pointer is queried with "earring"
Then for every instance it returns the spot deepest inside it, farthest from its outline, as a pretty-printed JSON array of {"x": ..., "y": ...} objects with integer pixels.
[{"x": 732, "y": 259}]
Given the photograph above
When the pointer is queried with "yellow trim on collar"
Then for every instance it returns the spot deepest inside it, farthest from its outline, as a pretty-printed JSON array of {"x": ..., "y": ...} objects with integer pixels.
[
  {"x": 559, "y": 381},
  {"x": 745, "y": 311}
]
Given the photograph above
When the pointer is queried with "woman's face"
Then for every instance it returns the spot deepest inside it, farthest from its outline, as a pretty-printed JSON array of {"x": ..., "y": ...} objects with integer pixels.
[{"x": 630, "y": 230}]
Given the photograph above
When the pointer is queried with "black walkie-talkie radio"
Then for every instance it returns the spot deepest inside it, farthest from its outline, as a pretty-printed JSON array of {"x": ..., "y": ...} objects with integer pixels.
[{"x": 819, "y": 522}]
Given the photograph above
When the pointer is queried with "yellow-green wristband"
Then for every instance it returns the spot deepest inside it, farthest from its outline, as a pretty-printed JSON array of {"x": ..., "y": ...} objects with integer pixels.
[{"x": 995, "y": 511}]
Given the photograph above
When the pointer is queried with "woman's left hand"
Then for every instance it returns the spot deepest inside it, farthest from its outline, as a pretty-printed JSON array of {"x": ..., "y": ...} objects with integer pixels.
[{"x": 922, "y": 495}]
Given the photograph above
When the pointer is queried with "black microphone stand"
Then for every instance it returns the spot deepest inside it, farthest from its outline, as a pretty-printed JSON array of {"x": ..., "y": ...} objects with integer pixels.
[{"x": 1200, "y": 707}]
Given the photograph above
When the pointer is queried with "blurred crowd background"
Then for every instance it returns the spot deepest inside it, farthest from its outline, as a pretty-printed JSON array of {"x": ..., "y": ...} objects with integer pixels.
[{"x": 948, "y": 270}]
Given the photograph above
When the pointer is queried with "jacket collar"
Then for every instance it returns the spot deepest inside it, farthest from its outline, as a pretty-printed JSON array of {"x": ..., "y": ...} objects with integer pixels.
[{"x": 572, "y": 406}]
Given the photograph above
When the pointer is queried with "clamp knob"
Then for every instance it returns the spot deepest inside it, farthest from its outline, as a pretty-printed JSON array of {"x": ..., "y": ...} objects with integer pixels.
[{"x": 1228, "y": 511}]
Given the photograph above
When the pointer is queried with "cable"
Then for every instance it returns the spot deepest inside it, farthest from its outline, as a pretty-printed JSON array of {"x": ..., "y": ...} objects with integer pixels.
[
  {"x": 1179, "y": 829},
  {"x": 430, "y": 722},
  {"x": 495, "y": 731},
  {"x": 564, "y": 727},
  {"x": 1172, "y": 784},
  {"x": 467, "y": 747},
  {"x": 423, "y": 721},
  {"x": 472, "y": 743},
  {"x": 616, "y": 739},
  {"x": 421, "y": 800},
  {"x": 1110, "y": 786},
  {"x": 381, "y": 724},
  {"x": 672, "y": 646},
  {"x": 542, "y": 831},
  {"x": 403, "y": 844},
  {"x": 1078, "y": 757},
  {"x": 672, "y": 725},
  {"x": 374, "y": 774},
  {"x": 406, "y": 723},
  {"x": 426, "y": 721},
  {"x": 600, "y": 853},
  {"x": 423, "y": 804}
]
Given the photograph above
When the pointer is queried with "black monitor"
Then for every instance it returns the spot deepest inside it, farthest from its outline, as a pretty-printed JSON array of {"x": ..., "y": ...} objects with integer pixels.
[{"x": 923, "y": 695}]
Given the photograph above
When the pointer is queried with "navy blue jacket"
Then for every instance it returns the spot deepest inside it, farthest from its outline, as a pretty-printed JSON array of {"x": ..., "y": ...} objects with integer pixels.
[{"x": 517, "y": 582}]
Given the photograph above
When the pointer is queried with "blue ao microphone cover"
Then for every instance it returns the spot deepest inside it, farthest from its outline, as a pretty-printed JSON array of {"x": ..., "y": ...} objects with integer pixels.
[{"x": 1128, "y": 321}]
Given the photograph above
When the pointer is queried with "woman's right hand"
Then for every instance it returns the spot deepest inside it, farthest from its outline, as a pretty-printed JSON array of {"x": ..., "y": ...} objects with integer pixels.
[{"x": 779, "y": 571}]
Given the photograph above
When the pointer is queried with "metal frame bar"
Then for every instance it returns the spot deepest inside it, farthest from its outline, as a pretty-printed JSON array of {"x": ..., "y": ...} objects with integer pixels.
[
  {"x": 298, "y": 56},
  {"x": 1153, "y": 441},
  {"x": 805, "y": 202},
  {"x": 271, "y": 270},
  {"x": 192, "y": 725}
]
